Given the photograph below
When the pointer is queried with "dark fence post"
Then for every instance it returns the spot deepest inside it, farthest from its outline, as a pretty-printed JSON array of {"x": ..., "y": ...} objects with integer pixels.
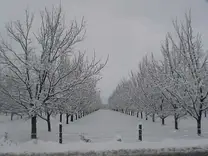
[
  {"x": 140, "y": 131},
  {"x": 60, "y": 130},
  {"x": 60, "y": 133}
]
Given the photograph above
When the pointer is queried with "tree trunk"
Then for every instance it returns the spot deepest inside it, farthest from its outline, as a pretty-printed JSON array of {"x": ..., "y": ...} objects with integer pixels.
[
  {"x": 163, "y": 121},
  {"x": 60, "y": 118},
  {"x": 12, "y": 115},
  {"x": 153, "y": 117},
  {"x": 141, "y": 115},
  {"x": 199, "y": 126},
  {"x": 76, "y": 116},
  {"x": 146, "y": 116},
  {"x": 205, "y": 113},
  {"x": 137, "y": 114},
  {"x": 72, "y": 117},
  {"x": 34, "y": 127},
  {"x": 176, "y": 121},
  {"x": 49, "y": 122},
  {"x": 67, "y": 118}
]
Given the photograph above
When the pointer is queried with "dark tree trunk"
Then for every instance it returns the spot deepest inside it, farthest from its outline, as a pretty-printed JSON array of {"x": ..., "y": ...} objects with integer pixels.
[
  {"x": 34, "y": 127},
  {"x": 205, "y": 113},
  {"x": 176, "y": 121},
  {"x": 141, "y": 115},
  {"x": 12, "y": 115},
  {"x": 72, "y": 118},
  {"x": 153, "y": 117},
  {"x": 49, "y": 122},
  {"x": 161, "y": 108},
  {"x": 67, "y": 118},
  {"x": 163, "y": 121},
  {"x": 137, "y": 114},
  {"x": 200, "y": 115},
  {"x": 60, "y": 117},
  {"x": 146, "y": 116}
]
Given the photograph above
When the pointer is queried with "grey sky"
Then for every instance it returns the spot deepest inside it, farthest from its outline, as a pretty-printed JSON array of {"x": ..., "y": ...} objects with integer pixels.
[{"x": 124, "y": 29}]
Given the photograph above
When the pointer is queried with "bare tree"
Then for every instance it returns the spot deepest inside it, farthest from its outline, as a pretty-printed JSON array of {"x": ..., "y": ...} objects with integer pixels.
[
  {"x": 188, "y": 78},
  {"x": 37, "y": 65}
]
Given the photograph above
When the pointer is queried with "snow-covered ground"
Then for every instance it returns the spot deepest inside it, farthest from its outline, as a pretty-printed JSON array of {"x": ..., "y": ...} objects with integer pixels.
[{"x": 102, "y": 127}]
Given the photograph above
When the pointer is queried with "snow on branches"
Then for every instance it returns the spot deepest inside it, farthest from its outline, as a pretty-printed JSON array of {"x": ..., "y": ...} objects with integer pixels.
[
  {"x": 42, "y": 73},
  {"x": 176, "y": 85}
]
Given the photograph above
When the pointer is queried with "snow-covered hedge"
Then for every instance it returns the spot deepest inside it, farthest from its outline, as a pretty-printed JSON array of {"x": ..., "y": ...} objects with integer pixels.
[{"x": 193, "y": 151}]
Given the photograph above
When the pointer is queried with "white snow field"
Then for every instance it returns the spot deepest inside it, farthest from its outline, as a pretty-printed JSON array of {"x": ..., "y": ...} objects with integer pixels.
[{"x": 103, "y": 128}]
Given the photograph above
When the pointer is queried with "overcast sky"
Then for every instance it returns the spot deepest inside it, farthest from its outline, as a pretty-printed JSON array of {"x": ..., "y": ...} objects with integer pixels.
[{"x": 125, "y": 30}]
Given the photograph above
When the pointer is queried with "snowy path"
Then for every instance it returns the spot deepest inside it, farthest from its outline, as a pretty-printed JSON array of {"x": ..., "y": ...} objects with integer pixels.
[{"x": 102, "y": 126}]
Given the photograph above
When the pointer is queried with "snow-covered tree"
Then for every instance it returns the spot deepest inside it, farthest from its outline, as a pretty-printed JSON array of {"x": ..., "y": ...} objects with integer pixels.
[
  {"x": 176, "y": 85},
  {"x": 186, "y": 63},
  {"x": 35, "y": 63}
]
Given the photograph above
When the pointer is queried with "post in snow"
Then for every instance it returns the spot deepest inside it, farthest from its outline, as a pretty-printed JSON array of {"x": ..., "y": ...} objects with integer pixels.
[
  {"x": 140, "y": 131},
  {"x": 60, "y": 133}
]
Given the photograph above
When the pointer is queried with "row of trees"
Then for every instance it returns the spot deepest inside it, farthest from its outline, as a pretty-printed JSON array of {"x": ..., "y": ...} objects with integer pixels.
[
  {"x": 42, "y": 73},
  {"x": 175, "y": 86}
]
